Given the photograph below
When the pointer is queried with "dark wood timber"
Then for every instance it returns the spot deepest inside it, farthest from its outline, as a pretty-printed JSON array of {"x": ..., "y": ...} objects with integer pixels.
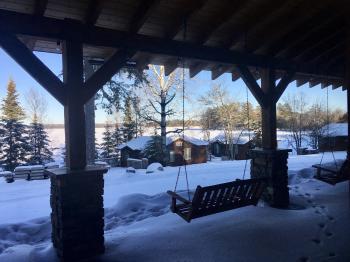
[
  {"x": 70, "y": 29},
  {"x": 268, "y": 112},
  {"x": 171, "y": 66},
  {"x": 93, "y": 12},
  {"x": 105, "y": 73},
  {"x": 250, "y": 81},
  {"x": 218, "y": 198},
  {"x": 142, "y": 13},
  {"x": 40, "y": 7},
  {"x": 282, "y": 85},
  {"x": 74, "y": 114},
  {"x": 26, "y": 59},
  {"x": 196, "y": 69}
]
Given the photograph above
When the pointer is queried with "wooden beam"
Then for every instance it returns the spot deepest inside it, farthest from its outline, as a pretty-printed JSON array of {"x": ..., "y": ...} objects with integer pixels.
[
  {"x": 301, "y": 81},
  {"x": 219, "y": 70},
  {"x": 309, "y": 38},
  {"x": 281, "y": 24},
  {"x": 282, "y": 85},
  {"x": 93, "y": 12},
  {"x": 292, "y": 37},
  {"x": 105, "y": 73},
  {"x": 196, "y": 69},
  {"x": 268, "y": 111},
  {"x": 74, "y": 114},
  {"x": 188, "y": 11},
  {"x": 232, "y": 8},
  {"x": 40, "y": 7},
  {"x": 254, "y": 88},
  {"x": 63, "y": 29},
  {"x": 241, "y": 30},
  {"x": 142, "y": 13},
  {"x": 170, "y": 66},
  {"x": 30, "y": 63},
  {"x": 235, "y": 74}
]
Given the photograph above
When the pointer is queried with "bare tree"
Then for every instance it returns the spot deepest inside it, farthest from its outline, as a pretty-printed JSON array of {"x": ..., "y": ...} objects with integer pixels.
[
  {"x": 293, "y": 111},
  {"x": 227, "y": 111},
  {"x": 36, "y": 105},
  {"x": 316, "y": 120},
  {"x": 161, "y": 91}
]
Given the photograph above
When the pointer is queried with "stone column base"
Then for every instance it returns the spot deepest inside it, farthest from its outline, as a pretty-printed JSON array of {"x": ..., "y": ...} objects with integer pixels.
[
  {"x": 272, "y": 164},
  {"x": 77, "y": 215}
]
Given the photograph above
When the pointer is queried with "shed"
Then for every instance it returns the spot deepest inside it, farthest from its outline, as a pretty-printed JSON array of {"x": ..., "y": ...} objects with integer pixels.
[
  {"x": 195, "y": 150},
  {"x": 133, "y": 149},
  {"x": 219, "y": 147},
  {"x": 335, "y": 137}
]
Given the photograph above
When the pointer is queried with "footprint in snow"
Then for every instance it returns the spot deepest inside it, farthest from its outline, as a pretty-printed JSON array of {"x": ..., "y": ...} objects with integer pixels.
[
  {"x": 316, "y": 241},
  {"x": 304, "y": 259},
  {"x": 328, "y": 234}
]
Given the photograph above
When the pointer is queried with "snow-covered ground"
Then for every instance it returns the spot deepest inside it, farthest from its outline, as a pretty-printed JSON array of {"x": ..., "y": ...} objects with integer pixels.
[{"x": 139, "y": 226}]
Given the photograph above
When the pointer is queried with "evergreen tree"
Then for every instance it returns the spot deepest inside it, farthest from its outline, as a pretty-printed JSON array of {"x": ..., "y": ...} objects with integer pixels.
[
  {"x": 153, "y": 150},
  {"x": 108, "y": 145},
  {"x": 39, "y": 142},
  {"x": 14, "y": 136},
  {"x": 128, "y": 122},
  {"x": 118, "y": 136}
]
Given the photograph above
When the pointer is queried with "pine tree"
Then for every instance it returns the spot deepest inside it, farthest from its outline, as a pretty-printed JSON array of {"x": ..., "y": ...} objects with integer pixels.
[
  {"x": 39, "y": 142},
  {"x": 108, "y": 145},
  {"x": 14, "y": 140},
  {"x": 153, "y": 150},
  {"x": 128, "y": 123},
  {"x": 117, "y": 135}
]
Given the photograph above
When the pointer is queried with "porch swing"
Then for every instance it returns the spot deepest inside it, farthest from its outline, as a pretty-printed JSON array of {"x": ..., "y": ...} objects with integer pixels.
[
  {"x": 216, "y": 198},
  {"x": 337, "y": 173}
]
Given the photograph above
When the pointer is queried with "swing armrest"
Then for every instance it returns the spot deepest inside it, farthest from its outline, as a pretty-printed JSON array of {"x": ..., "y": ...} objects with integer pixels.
[{"x": 178, "y": 197}]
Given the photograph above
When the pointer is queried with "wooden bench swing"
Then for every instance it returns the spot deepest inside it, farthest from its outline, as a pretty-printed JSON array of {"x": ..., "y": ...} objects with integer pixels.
[
  {"x": 218, "y": 198},
  {"x": 332, "y": 175}
]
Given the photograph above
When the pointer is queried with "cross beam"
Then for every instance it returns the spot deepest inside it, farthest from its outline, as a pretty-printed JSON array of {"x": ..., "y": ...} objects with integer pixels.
[
  {"x": 16, "y": 23},
  {"x": 267, "y": 96}
]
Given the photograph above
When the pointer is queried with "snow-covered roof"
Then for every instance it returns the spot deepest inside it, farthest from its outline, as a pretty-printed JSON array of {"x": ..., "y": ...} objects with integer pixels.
[
  {"x": 336, "y": 129},
  {"x": 240, "y": 140},
  {"x": 138, "y": 143},
  {"x": 192, "y": 140},
  {"x": 141, "y": 142}
]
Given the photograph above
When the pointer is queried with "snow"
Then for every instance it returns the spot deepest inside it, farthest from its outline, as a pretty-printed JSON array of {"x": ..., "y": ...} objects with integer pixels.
[
  {"x": 336, "y": 129},
  {"x": 139, "y": 226},
  {"x": 154, "y": 167},
  {"x": 237, "y": 139},
  {"x": 140, "y": 143}
]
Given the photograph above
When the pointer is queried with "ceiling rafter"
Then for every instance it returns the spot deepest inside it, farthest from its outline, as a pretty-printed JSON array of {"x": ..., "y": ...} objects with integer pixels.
[
  {"x": 141, "y": 15},
  {"x": 285, "y": 24},
  {"x": 93, "y": 11}
]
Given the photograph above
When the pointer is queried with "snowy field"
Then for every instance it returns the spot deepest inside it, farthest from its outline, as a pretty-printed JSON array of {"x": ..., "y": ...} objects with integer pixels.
[{"x": 139, "y": 226}]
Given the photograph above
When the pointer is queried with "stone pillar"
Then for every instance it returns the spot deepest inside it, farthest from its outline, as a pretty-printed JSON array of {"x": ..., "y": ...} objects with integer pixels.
[
  {"x": 272, "y": 164},
  {"x": 77, "y": 215}
]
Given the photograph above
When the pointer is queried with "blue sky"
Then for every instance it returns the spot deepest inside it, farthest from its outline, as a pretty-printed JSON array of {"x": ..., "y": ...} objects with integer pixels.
[{"x": 197, "y": 86}]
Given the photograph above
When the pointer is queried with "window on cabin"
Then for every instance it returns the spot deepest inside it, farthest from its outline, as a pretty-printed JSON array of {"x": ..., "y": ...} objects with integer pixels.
[
  {"x": 172, "y": 156},
  {"x": 187, "y": 153}
]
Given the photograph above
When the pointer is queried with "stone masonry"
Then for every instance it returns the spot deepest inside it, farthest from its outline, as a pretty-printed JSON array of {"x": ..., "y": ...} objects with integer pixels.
[
  {"x": 77, "y": 215},
  {"x": 272, "y": 164}
]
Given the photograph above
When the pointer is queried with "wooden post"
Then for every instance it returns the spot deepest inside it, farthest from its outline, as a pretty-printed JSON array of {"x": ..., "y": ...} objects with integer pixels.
[
  {"x": 268, "y": 114},
  {"x": 74, "y": 115},
  {"x": 90, "y": 119}
]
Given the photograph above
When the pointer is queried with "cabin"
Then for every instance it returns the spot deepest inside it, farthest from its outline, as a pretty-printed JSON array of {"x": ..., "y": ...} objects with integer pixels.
[
  {"x": 335, "y": 137},
  {"x": 133, "y": 149},
  {"x": 219, "y": 147},
  {"x": 195, "y": 150}
]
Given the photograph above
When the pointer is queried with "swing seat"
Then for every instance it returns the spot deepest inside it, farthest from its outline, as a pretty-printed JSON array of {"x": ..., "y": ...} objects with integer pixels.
[
  {"x": 332, "y": 175},
  {"x": 218, "y": 198}
]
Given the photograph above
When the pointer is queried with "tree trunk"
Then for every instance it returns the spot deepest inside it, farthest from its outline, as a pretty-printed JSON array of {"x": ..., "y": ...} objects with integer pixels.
[{"x": 163, "y": 128}]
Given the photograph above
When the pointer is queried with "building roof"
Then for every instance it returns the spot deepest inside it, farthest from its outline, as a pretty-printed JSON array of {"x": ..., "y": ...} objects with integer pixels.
[
  {"x": 306, "y": 36},
  {"x": 237, "y": 139},
  {"x": 141, "y": 142},
  {"x": 336, "y": 129}
]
